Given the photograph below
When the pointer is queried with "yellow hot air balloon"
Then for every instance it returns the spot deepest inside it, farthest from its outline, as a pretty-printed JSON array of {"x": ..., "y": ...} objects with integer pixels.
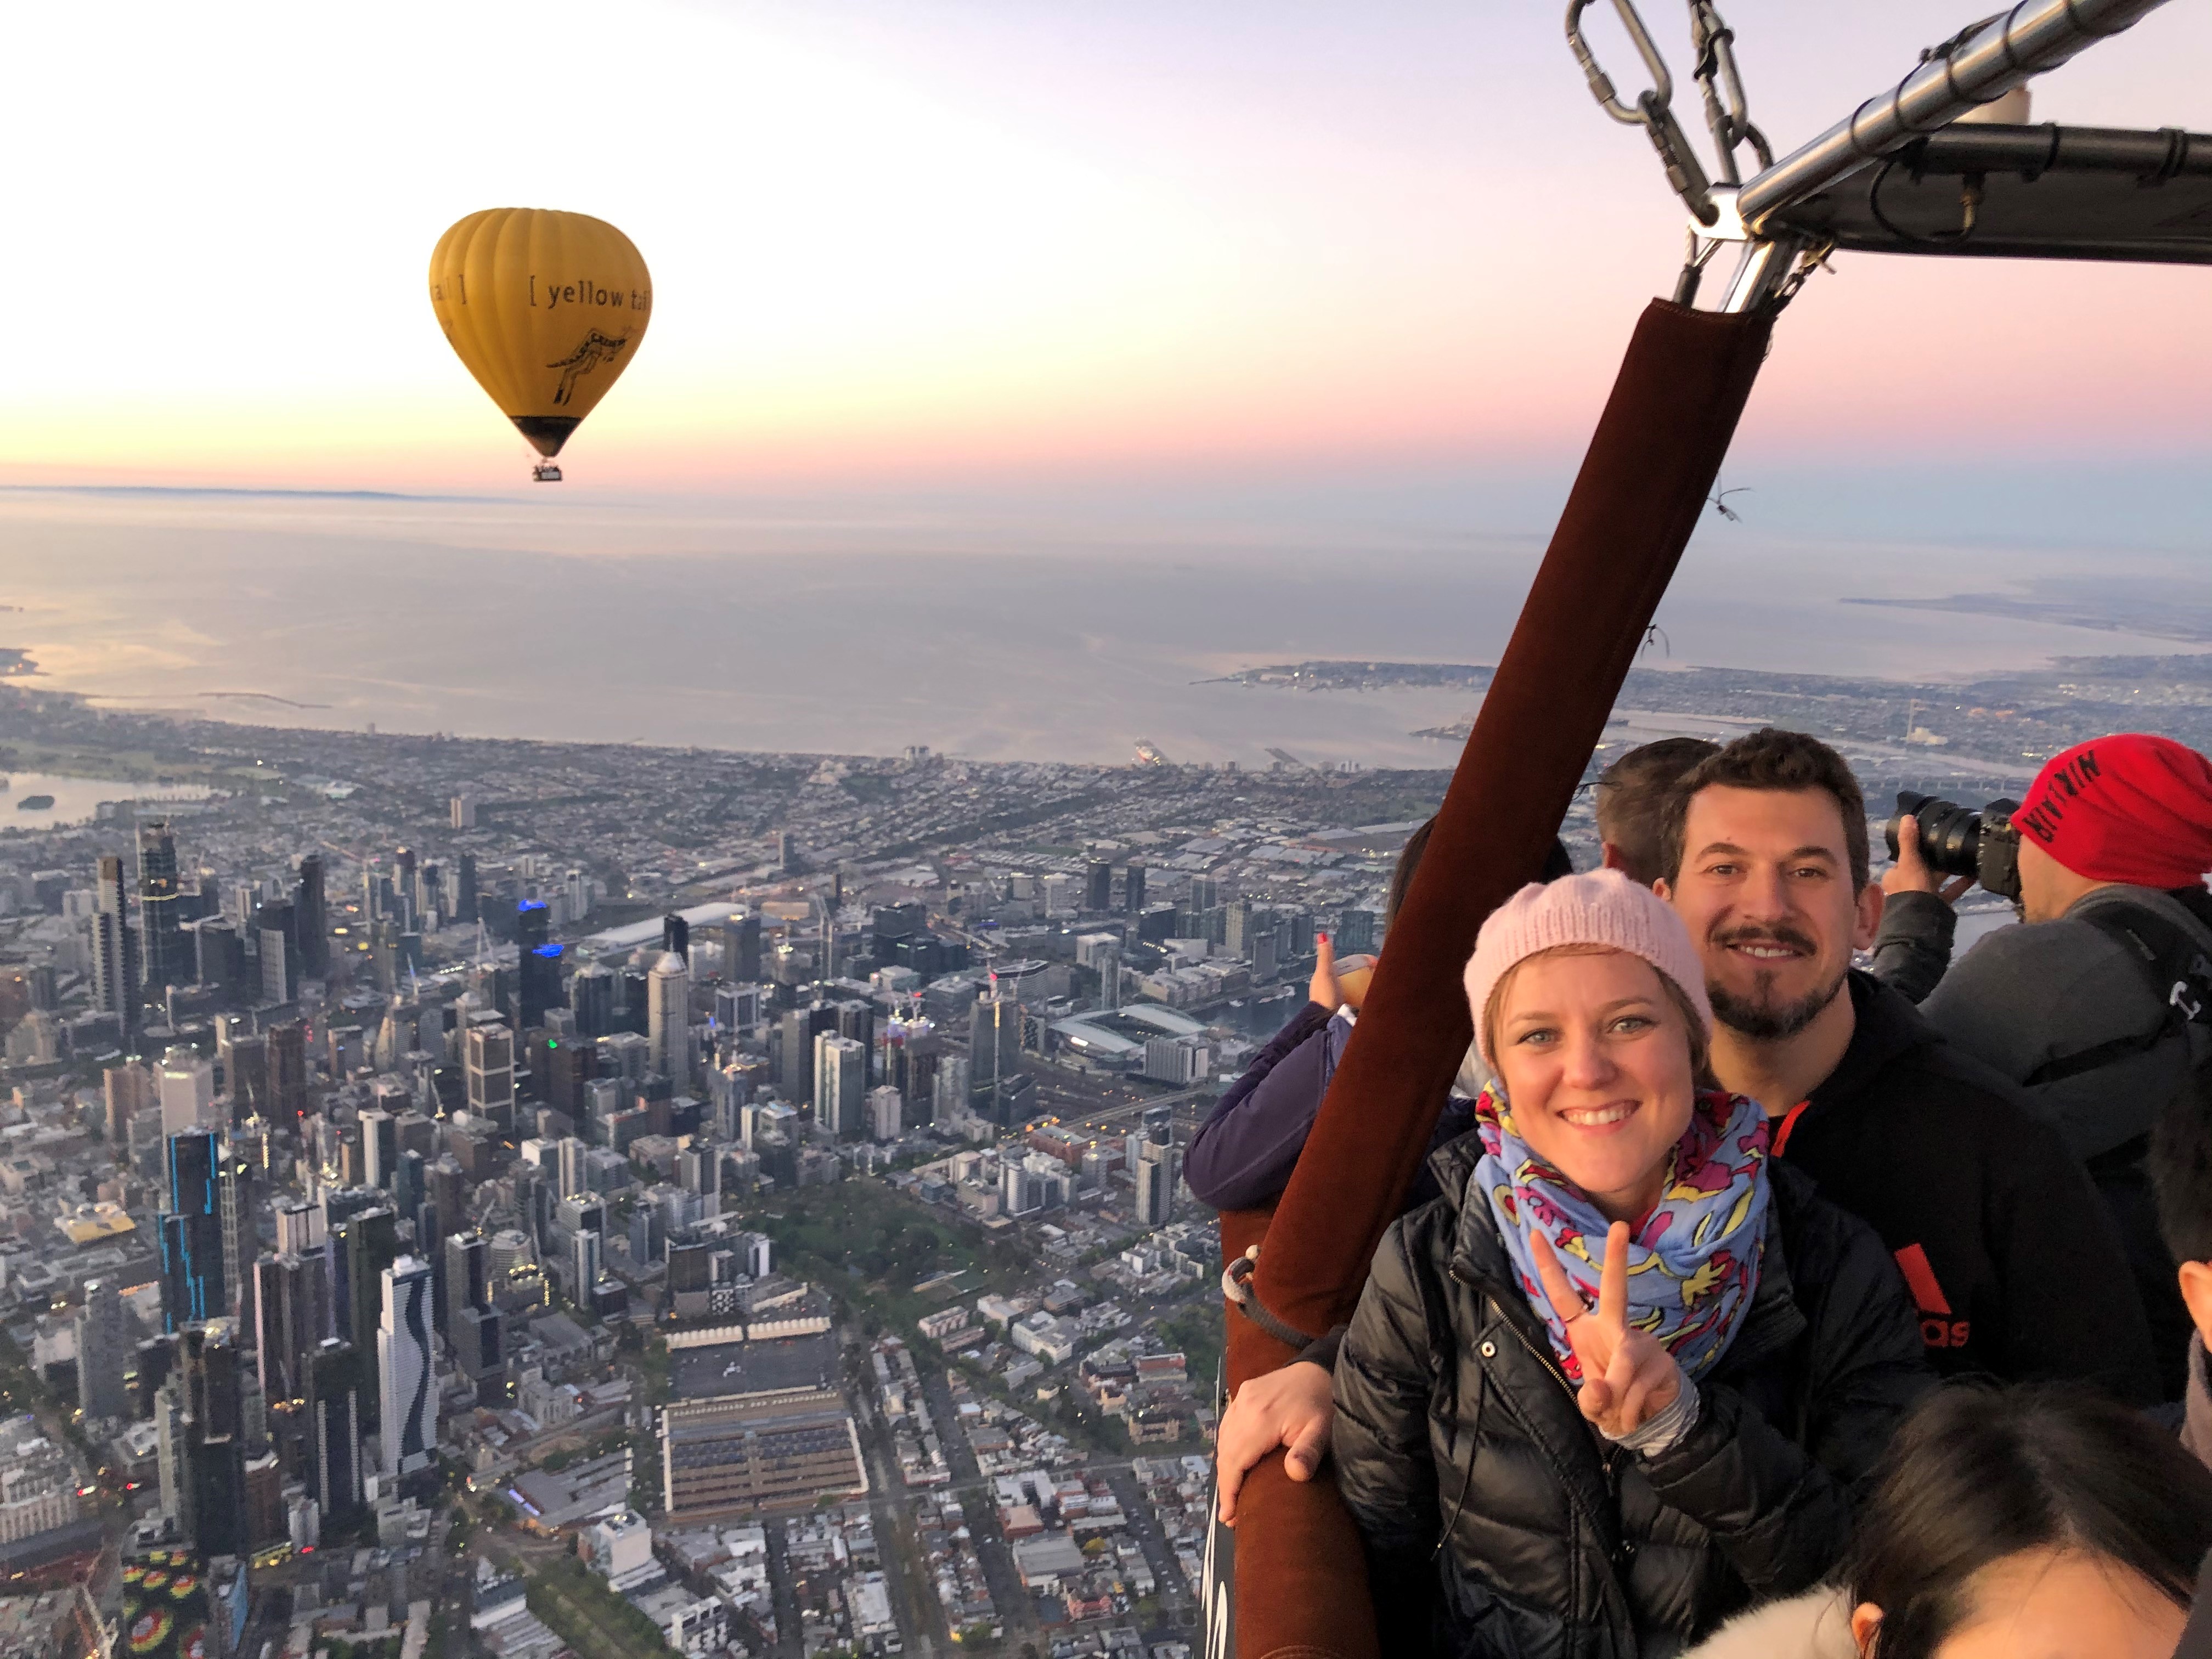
[{"x": 546, "y": 309}]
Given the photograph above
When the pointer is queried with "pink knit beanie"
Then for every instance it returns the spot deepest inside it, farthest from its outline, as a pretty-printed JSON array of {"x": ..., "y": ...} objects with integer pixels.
[{"x": 1601, "y": 907}]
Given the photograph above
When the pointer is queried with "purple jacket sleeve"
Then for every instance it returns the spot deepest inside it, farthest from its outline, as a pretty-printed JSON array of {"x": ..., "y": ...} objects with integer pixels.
[{"x": 1242, "y": 1155}]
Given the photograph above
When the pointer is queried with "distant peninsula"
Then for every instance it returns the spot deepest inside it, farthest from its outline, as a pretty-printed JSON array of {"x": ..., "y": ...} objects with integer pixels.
[{"x": 2004, "y": 720}]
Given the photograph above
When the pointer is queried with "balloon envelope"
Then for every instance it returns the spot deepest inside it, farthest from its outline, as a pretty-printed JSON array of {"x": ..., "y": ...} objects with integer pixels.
[{"x": 546, "y": 308}]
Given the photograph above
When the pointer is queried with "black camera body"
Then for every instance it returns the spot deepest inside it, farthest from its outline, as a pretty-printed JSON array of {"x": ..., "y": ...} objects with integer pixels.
[{"x": 1958, "y": 840}]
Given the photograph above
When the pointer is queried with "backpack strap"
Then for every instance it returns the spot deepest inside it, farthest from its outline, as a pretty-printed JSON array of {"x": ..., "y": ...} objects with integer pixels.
[
  {"x": 2177, "y": 959},
  {"x": 2176, "y": 970}
]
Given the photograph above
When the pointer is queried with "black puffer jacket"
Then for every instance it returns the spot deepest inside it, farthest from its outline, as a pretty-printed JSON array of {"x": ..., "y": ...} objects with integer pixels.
[{"x": 1454, "y": 1423}]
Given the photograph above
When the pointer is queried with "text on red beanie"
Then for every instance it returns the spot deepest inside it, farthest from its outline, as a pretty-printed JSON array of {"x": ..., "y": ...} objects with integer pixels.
[{"x": 2130, "y": 808}]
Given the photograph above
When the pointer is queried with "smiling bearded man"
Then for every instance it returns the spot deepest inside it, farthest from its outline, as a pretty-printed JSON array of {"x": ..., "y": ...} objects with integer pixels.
[{"x": 2008, "y": 1250}]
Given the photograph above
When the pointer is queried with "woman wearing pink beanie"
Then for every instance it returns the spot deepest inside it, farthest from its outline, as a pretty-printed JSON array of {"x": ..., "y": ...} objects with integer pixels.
[{"x": 1619, "y": 1382}]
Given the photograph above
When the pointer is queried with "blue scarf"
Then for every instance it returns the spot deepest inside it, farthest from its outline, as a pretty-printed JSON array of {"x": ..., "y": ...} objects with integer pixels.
[{"x": 1693, "y": 1261}]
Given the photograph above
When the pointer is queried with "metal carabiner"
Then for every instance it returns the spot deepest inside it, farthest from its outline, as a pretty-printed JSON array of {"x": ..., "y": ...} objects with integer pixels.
[
  {"x": 1601, "y": 84},
  {"x": 1727, "y": 112},
  {"x": 1650, "y": 111}
]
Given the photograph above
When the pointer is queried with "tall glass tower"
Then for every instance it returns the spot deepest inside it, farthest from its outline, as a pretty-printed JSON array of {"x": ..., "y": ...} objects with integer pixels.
[
  {"x": 193, "y": 1287},
  {"x": 161, "y": 928},
  {"x": 410, "y": 1417},
  {"x": 311, "y": 920}
]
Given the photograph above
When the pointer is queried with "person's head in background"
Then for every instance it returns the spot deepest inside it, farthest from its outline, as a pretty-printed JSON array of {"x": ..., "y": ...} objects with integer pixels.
[
  {"x": 2181, "y": 1179},
  {"x": 2029, "y": 1523},
  {"x": 1556, "y": 864},
  {"x": 1632, "y": 802},
  {"x": 1473, "y": 1073}
]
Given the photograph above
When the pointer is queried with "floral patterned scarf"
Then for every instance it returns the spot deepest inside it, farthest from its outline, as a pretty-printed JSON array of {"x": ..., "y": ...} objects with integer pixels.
[{"x": 1693, "y": 1261}]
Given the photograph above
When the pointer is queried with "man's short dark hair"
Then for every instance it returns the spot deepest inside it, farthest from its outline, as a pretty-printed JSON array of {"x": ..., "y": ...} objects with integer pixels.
[
  {"x": 2181, "y": 1170},
  {"x": 1787, "y": 763},
  {"x": 1631, "y": 799}
]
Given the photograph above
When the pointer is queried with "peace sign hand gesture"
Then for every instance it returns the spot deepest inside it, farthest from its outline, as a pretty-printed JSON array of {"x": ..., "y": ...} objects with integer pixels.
[{"x": 1628, "y": 1377}]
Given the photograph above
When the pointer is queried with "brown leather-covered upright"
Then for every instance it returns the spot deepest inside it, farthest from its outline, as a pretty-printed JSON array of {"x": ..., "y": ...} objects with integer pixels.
[{"x": 1301, "y": 1588}]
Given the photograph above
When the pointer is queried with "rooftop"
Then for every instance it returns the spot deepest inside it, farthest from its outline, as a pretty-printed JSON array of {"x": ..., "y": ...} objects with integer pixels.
[{"x": 732, "y": 1368}]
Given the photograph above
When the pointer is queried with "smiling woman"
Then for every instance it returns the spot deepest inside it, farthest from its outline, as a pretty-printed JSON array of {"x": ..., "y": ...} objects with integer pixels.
[{"x": 1613, "y": 1249}]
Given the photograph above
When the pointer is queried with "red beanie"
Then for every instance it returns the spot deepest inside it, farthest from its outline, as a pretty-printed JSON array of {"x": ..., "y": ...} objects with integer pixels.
[{"x": 2131, "y": 808}]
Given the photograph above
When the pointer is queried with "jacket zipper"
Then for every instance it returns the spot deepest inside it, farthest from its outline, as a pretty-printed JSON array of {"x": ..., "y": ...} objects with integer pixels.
[{"x": 1608, "y": 1454}]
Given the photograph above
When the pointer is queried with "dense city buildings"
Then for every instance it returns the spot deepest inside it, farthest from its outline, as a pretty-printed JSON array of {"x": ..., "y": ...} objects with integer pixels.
[{"x": 783, "y": 1152}]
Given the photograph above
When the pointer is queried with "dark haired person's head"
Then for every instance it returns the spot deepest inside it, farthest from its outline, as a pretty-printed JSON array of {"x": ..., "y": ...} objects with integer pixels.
[
  {"x": 1632, "y": 802},
  {"x": 1556, "y": 864},
  {"x": 1764, "y": 854},
  {"x": 2181, "y": 1180},
  {"x": 2026, "y": 1522}
]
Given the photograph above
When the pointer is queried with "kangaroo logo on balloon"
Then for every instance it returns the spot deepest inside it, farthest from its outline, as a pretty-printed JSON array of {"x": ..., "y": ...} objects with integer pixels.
[{"x": 597, "y": 348}]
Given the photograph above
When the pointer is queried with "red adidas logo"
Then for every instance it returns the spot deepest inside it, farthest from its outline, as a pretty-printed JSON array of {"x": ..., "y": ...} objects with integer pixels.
[{"x": 1937, "y": 1329}]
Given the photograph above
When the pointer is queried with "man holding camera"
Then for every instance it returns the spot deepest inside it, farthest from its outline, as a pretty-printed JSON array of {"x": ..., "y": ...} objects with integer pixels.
[{"x": 2100, "y": 1005}]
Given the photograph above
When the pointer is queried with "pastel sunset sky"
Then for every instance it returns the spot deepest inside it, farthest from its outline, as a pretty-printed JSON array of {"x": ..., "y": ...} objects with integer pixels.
[{"x": 978, "y": 244}]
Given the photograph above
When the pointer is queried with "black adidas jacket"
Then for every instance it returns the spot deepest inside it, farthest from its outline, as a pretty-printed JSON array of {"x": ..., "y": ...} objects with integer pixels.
[{"x": 2012, "y": 1257}]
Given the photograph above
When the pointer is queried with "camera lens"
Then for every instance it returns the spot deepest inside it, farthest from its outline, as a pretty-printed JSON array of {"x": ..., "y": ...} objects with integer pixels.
[{"x": 1950, "y": 835}]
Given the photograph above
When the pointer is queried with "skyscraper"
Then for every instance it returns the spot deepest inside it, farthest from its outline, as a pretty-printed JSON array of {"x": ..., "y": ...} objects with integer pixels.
[
  {"x": 463, "y": 812},
  {"x": 796, "y": 1030},
  {"x": 361, "y": 1247},
  {"x": 464, "y": 888},
  {"x": 334, "y": 1405},
  {"x": 408, "y": 1419},
  {"x": 584, "y": 1248},
  {"x": 994, "y": 1055},
  {"x": 379, "y": 1147},
  {"x": 741, "y": 948},
  {"x": 488, "y": 1065},
  {"x": 676, "y": 935},
  {"x": 236, "y": 1178},
  {"x": 591, "y": 994},
  {"x": 103, "y": 1352},
  {"x": 292, "y": 1308},
  {"x": 533, "y": 926},
  {"x": 219, "y": 957},
  {"x": 468, "y": 1274},
  {"x": 187, "y": 1092},
  {"x": 161, "y": 930},
  {"x": 311, "y": 920},
  {"x": 301, "y": 1226},
  {"x": 856, "y": 1018},
  {"x": 114, "y": 948},
  {"x": 191, "y": 1222},
  {"x": 1155, "y": 1172},
  {"x": 1133, "y": 889},
  {"x": 1108, "y": 962},
  {"x": 275, "y": 926},
  {"x": 478, "y": 1350},
  {"x": 668, "y": 1019},
  {"x": 841, "y": 1086},
  {"x": 538, "y": 984},
  {"x": 288, "y": 1073},
  {"x": 1097, "y": 885},
  {"x": 212, "y": 1389},
  {"x": 912, "y": 1053}
]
